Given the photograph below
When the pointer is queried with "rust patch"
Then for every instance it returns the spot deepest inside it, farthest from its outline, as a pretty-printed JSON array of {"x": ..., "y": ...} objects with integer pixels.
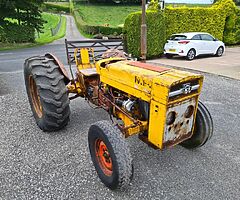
[
  {"x": 181, "y": 127},
  {"x": 148, "y": 66}
]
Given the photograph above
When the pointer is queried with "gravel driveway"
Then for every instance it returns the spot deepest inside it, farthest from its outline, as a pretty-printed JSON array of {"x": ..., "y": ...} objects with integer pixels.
[{"x": 38, "y": 165}]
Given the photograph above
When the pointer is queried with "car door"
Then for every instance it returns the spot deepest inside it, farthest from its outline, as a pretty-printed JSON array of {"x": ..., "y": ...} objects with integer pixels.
[
  {"x": 209, "y": 44},
  {"x": 197, "y": 44}
]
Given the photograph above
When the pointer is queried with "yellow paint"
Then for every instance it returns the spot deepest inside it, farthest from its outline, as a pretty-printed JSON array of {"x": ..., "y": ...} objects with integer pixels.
[
  {"x": 157, "y": 123},
  {"x": 153, "y": 87},
  {"x": 127, "y": 121},
  {"x": 74, "y": 88},
  {"x": 82, "y": 58},
  {"x": 143, "y": 125},
  {"x": 150, "y": 86}
]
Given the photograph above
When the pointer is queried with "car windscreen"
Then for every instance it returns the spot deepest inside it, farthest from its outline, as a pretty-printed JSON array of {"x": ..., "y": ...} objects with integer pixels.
[{"x": 178, "y": 37}]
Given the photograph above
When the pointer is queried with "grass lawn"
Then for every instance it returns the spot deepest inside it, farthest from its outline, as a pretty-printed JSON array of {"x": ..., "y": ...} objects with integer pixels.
[
  {"x": 65, "y": 4},
  {"x": 45, "y": 37},
  {"x": 104, "y": 14},
  {"x": 52, "y": 22},
  {"x": 114, "y": 15}
]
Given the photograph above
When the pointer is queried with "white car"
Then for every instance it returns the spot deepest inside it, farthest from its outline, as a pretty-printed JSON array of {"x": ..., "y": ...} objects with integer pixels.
[{"x": 193, "y": 44}]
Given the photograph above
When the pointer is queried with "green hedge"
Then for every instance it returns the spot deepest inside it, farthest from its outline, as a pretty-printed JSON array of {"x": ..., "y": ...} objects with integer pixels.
[
  {"x": 156, "y": 33},
  {"x": 222, "y": 20},
  {"x": 184, "y": 19},
  {"x": 56, "y": 7},
  {"x": 14, "y": 33},
  {"x": 91, "y": 29}
]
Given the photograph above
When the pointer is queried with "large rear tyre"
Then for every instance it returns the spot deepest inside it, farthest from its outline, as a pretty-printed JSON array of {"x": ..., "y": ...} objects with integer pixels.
[
  {"x": 47, "y": 93},
  {"x": 203, "y": 129},
  {"x": 110, "y": 155}
]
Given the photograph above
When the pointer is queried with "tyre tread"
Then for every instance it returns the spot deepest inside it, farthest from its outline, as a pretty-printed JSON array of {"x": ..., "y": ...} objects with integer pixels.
[
  {"x": 121, "y": 151},
  {"x": 52, "y": 90}
]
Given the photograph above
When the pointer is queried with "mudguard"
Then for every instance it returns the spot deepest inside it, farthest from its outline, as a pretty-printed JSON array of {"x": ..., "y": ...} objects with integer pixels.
[{"x": 61, "y": 67}]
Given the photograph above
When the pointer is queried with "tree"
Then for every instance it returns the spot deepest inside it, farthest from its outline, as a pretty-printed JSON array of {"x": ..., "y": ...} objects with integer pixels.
[{"x": 26, "y": 12}]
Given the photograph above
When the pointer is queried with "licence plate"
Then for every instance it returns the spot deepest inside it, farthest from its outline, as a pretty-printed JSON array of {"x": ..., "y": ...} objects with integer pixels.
[{"x": 172, "y": 50}]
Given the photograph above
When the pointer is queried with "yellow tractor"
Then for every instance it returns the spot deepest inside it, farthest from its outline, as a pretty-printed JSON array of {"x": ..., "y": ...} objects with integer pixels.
[{"x": 159, "y": 104}]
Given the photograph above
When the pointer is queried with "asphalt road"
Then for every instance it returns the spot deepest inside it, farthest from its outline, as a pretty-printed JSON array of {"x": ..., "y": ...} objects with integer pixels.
[{"x": 39, "y": 165}]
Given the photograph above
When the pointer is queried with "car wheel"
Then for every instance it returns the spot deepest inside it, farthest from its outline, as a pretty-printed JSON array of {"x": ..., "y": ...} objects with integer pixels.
[
  {"x": 191, "y": 54},
  {"x": 219, "y": 52},
  {"x": 168, "y": 55}
]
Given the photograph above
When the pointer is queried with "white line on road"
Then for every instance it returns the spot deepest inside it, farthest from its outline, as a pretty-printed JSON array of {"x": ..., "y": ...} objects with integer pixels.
[
  {"x": 4, "y": 54},
  {"x": 8, "y": 61},
  {"x": 14, "y": 72}
]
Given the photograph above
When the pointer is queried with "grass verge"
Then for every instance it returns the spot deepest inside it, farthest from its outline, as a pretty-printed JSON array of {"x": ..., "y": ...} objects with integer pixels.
[
  {"x": 56, "y": 7},
  {"x": 104, "y": 14},
  {"x": 113, "y": 15},
  {"x": 45, "y": 37},
  {"x": 11, "y": 46}
]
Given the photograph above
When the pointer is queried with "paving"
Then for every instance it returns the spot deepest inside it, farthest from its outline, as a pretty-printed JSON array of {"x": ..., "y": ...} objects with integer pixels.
[
  {"x": 228, "y": 65},
  {"x": 40, "y": 165}
]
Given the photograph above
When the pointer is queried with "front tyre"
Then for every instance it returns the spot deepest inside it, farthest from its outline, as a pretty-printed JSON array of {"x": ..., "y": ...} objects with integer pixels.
[
  {"x": 191, "y": 54},
  {"x": 47, "y": 93},
  {"x": 203, "y": 129},
  {"x": 219, "y": 52},
  {"x": 110, "y": 155}
]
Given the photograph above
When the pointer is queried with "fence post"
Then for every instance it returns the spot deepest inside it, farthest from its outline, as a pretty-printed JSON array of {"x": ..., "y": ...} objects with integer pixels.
[{"x": 52, "y": 31}]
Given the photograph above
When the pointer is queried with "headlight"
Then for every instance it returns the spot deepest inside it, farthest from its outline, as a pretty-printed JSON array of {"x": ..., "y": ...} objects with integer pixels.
[
  {"x": 189, "y": 111},
  {"x": 171, "y": 118}
]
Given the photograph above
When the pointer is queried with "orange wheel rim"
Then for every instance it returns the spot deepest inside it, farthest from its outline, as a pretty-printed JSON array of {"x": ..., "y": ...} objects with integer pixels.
[
  {"x": 35, "y": 97},
  {"x": 103, "y": 157}
]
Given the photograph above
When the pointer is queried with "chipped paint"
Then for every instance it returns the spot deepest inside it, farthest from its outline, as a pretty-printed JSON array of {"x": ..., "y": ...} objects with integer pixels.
[{"x": 182, "y": 126}]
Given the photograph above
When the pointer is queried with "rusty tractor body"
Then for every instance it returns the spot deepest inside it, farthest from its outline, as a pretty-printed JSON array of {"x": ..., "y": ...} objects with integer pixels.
[{"x": 159, "y": 104}]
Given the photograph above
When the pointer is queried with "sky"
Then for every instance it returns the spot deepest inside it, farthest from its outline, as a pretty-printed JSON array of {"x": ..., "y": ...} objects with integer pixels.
[{"x": 190, "y": 1}]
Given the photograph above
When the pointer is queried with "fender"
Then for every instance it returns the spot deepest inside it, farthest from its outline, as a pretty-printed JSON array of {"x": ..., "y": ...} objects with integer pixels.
[{"x": 61, "y": 66}]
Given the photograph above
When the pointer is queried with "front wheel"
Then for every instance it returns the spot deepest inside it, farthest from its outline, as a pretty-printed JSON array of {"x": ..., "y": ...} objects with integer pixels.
[
  {"x": 191, "y": 54},
  {"x": 203, "y": 129},
  {"x": 219, "y": 52},
  {"x": 110, "y": 155}
]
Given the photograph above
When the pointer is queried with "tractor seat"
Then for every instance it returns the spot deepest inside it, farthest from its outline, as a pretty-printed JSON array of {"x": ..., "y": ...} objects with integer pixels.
[{"x": 89, "y": 72}]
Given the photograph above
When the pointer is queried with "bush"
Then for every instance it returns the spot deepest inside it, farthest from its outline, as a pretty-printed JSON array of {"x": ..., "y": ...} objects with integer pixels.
[
  {"x": 53, "y": 7},
  {"x": 222, "y": 20},
  {"x": 218, "y": 20},
  {"x": 155, "y": 33},
  {"x": 183, "y": 19},
  {"x": 232, "y": 26},
  {"x": 232, "y": 29},
  {"x": 94, "y": 29},
  {"x": 14, "y": 33}
]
